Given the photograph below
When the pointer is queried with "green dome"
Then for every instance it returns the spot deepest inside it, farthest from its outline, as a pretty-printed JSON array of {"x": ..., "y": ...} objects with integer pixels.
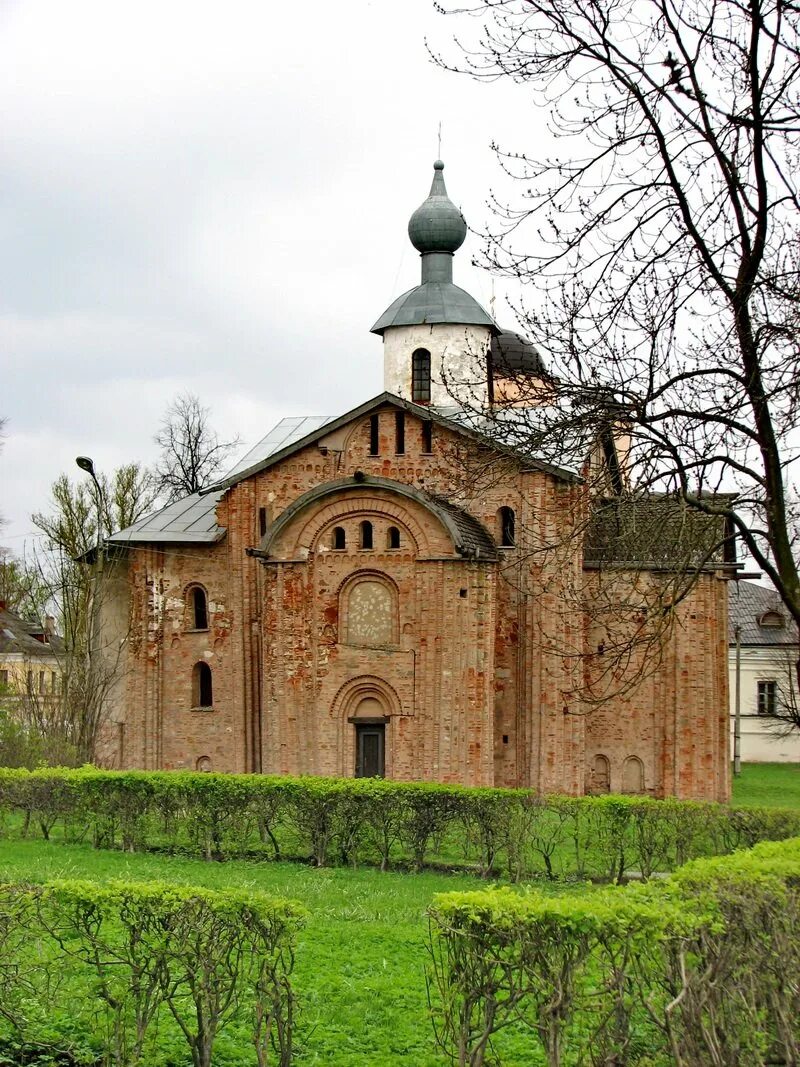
[{"x": 437, "y": 225}]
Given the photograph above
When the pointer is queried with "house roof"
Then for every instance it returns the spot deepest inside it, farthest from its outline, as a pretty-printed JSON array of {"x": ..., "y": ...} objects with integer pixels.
[
  {"x": 20, "y": 635},
  {"x": 192, "y": 519},
  {"x": 290, "y": 435},
  {"x": 656, "y": 531},
  {"x": 748, "y": 604}
]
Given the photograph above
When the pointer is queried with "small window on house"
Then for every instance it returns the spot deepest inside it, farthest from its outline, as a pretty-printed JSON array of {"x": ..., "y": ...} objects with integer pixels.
[
  {"x": 53, "y": 682},
  {"x": 393, "y": 539},
  {"x": 198, "y": 608},
  {"x": 29, "y": 681},
  {"x": 772, "y": 620},
  {"x": 42, "y": 683},
  {"x": 427, "y": 437},
  {"x": 507, "y": 524},
  {"x": 421, "y": 376},
  {"x": 374, "y": 436},
  {"x": 366, "y": 534},
  {"x": 262, "y": 521},
  {"x": 202, "y": 693},
  {"x": 767, "y": 697},
  {"x": 339, "y": 538},
  {"x": 400, "y": 432}
]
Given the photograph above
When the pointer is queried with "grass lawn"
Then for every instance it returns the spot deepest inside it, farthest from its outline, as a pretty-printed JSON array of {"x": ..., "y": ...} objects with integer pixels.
[
  {"x": 360, "y": 959},
  {"x": 768, "y": 785}
]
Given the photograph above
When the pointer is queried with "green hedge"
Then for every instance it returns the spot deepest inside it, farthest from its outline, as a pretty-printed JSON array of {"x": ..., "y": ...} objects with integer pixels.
[
  {"x": 494, "y": 831},
  {"x": 130, "y": 960},
  {"x": 701, "y": 968}
]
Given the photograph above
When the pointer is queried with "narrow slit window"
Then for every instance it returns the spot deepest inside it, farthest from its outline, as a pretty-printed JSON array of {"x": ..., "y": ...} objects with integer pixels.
[
  {"x": 421, "y": 376},
  {"x": 199, "y": 609},
  {"x": 366, "y": 534},
  {"x": 427, "y": 437},
  {"x": 394, "y": 537},
  {"x": 374, "y": 436},
  {"x": 262, "y": 521},
  {"x": 400, "y": 432},
  {"x": 507, "y": 527},
  {"x": 202, "y": 692},
  {"x": 339, "y": 538}
]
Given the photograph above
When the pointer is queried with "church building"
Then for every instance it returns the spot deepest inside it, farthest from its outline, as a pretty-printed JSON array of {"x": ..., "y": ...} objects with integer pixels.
[{"x": 392, "y": 592}]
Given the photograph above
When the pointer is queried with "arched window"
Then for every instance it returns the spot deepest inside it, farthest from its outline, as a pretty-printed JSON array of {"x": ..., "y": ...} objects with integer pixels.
[
  {"x": 197, "y": 608},
  {"x": 421, "y": 376},
  {"x": 202, "y": 693},
  {"x": 507, "y": 524},
  {"x": 339, "y": 538},
  {"x": 393, "y": 538},
  {"x": 203, "y": 764},
  {"x": 366, "y": 534},
  {"x": 368, "y": 609},
  {"x": 633, "y": 775}
]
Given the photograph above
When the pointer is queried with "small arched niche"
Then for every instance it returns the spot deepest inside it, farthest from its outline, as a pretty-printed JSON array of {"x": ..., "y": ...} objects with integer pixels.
[
  {"x": 633, "y": 775},
  {"x": 393, "y": 537},
  {"x": 339, "y": 539},
  {"x": 601, "y": 775},
  {"x": 203, "y": 764}
]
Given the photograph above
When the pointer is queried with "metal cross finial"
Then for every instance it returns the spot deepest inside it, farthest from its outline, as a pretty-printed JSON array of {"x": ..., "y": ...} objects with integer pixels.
[{"x": 439, "y": 153}]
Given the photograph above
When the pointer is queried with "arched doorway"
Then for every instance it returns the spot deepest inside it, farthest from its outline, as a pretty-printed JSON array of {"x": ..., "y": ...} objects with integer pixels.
[
  {"x": 369, "y": 722},
  {"x": 366, "y": 706}
]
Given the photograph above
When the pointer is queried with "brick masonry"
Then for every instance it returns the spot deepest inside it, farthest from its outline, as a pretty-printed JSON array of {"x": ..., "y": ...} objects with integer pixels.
[{"x": 485, "y": 672}]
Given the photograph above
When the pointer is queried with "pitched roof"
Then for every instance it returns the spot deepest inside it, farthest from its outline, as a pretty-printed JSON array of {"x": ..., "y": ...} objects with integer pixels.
[
  {"x": 192, "y": 519},
  {"x": 284, "y": 439},
  {"x": 19, "y": 635},
  {"x": 655, "y": 531},
  {"x": 748, "y": 603}
]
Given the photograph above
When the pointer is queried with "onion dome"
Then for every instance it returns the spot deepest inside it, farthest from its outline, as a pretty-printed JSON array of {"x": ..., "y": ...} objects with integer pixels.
[
  {"x": 437, "y": 225},
  {"x": 437, "y": 229},
  {"x": 514, "y": 354}
]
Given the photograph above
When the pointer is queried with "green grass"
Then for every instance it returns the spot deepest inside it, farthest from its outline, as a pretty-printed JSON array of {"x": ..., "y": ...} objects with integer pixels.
[
  {"x": 360, "y": 959},
  {"x": 769, "y": 785}
]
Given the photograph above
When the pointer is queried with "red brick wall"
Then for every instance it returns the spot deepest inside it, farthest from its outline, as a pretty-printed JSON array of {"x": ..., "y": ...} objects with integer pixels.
[{"x": 483, "y": 687}]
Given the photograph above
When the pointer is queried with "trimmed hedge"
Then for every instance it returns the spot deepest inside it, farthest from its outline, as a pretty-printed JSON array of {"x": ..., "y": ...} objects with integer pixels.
[
  {"x": 148, "y": 953},
  {"x": 324, "y": 820},
  {"x": 702, "y": 968}
]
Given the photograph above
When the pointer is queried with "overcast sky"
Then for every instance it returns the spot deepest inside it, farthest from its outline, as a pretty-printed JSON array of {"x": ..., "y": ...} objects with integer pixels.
[{"x": 214, "y": 197}]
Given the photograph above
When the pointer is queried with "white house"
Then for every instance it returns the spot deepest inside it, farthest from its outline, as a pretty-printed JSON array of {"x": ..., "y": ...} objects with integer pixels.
[{"x": 763, "y": 649}]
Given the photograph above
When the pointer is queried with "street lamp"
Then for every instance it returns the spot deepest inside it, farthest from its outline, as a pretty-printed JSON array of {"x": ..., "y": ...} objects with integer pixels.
[{"x": 93, "y": 636}]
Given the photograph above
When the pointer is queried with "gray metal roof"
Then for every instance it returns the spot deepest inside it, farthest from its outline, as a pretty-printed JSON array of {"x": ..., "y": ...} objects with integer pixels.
[
  {"x": 191, "y": 519},
  {"x": 514, "y": 354},
  {"x": 748, "y": 603},
  {"x": 437, "y": 225},
  {"x": 283, "y": 434},
  {"x": 434, "y": 302}
]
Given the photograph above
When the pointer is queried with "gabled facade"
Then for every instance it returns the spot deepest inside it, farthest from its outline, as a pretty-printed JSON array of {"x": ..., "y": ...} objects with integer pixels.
[{"x": 353, "y": 600}]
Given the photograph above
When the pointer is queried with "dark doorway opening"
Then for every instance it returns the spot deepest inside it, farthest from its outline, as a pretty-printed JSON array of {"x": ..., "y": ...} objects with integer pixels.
[{"x": 370, "y": 750}]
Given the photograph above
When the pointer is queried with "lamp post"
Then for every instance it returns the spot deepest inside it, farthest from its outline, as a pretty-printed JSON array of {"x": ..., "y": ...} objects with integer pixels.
[
  {"x": 737, "y": 706},
  {"x": 93, "y": 621}
]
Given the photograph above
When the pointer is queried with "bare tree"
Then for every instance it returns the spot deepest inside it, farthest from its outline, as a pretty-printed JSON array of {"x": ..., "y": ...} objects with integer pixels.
[
  {"x": 661, "y": 241},
  {"x": 191, "y": 451},
  {"x": 81, "y": 584}
]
